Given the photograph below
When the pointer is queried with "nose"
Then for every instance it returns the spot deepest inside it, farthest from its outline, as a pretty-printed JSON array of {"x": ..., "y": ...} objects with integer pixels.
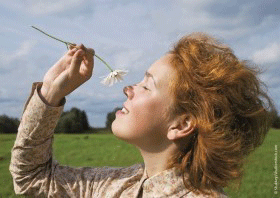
[{"x": 128, "y": 91}]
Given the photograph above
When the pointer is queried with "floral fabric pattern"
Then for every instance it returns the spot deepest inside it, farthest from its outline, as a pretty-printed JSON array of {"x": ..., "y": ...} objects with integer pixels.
[{"x": 37, "y": 174}]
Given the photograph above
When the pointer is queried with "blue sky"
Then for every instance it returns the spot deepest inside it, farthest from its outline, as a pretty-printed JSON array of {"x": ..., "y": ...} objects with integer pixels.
[{"x": 127, "y": 34}]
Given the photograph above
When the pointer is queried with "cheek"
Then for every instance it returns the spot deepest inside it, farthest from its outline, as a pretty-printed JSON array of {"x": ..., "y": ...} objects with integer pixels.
[
  {"x": 147, "y": 112},
  {"x": 146, "y": 120}
]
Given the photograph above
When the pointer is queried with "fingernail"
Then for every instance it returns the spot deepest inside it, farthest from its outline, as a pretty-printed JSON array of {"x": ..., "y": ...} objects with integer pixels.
[{"x": 81, "y": 53}]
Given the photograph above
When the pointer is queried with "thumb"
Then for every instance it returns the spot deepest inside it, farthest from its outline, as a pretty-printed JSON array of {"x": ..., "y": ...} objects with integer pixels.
[{"x": 76, "y": 62}]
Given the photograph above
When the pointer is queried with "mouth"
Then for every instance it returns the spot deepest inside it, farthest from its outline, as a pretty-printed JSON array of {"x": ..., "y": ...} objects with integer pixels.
[{"x": 124, "y": 110}]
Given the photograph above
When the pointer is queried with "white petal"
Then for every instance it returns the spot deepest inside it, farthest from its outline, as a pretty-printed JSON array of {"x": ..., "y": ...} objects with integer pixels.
[{"x": 113, "y": 77}]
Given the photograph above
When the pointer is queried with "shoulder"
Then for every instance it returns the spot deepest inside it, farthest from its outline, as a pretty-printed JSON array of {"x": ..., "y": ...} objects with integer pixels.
[
  {"x": 216, "y": 194},
  {"x": 114, "y": 172},
  {"x": 127, "y": 171}
]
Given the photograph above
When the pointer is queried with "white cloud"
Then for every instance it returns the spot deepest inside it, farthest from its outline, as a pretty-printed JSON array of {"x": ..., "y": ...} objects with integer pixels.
[
  {"x": 3, "y": 93},
  {"x": 126, "y": 59},
  {"x": 24, "y": 49},
  {"x": 208, "y": 16},
  {"x": 50, "y": 6},
  {"x": 125, "y": 33},
  {"x": 15, "y": 5},
  {"x": 270, "y": 54}
]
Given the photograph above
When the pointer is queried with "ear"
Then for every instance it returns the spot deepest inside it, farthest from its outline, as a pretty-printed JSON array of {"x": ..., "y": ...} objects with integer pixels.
[{"x": 181, "y": 127}]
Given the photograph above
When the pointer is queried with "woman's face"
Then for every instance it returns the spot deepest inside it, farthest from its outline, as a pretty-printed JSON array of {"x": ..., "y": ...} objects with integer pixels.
[{"x": 143, "y": 120}]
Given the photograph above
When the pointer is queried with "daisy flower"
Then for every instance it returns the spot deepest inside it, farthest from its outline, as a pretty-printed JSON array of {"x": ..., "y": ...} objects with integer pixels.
[{"x": 114, "y": 76}]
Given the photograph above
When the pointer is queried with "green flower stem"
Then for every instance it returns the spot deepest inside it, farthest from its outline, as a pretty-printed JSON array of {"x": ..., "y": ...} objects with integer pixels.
[
  {"x": 72, "y": 44},
  {"x": 67, "y": 43},
  {"x": 104, "y": 62}
]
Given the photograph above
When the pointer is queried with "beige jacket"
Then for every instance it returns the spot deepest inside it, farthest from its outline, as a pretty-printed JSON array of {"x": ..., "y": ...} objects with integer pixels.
[{"x": 36, "y": 173}]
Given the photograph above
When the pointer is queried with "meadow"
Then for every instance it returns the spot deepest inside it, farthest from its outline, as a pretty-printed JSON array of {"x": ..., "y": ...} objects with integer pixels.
[{"x": 107, "y": 150}]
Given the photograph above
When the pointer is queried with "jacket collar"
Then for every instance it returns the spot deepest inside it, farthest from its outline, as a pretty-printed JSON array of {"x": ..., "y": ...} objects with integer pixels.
[{"x": 168, "y": 183}]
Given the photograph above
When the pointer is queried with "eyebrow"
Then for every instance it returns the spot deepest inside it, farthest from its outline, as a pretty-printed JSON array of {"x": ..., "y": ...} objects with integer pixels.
[{"x": 147, "y": 74}]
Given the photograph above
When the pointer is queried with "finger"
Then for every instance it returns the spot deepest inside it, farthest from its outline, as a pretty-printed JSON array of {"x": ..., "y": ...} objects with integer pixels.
[
  {"x": 76, "y": 62},
  {"x": 71, "y": 46},
  {"x": 89, "y": 56},
  {"x": 74, "y": 48},
  {"x": 81, "y": 46},
  {"x": 72, "y": 51},
  {"x": 91, "y": 51},
  {"x": 89, "y": 64}
]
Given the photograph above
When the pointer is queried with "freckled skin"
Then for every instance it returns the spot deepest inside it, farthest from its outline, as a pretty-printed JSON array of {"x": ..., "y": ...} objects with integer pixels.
[{"x": 145, "y": 125}]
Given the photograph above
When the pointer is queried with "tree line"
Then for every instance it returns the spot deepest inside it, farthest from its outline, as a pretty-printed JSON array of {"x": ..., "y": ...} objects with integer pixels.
[
  {"x": 70, "y": 122},
  {"x": 76, "y": 121}
]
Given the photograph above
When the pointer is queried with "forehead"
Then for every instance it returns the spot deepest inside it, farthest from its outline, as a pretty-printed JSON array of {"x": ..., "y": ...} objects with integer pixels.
[{"x": 162, "y": 70}]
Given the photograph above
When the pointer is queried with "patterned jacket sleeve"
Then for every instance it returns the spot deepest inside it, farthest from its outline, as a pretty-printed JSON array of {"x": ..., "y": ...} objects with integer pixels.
[{"x": 32, "y": 167}]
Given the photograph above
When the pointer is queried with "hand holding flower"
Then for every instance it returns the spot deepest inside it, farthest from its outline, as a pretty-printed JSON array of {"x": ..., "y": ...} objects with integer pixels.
[
  {"x": 71, "y": 71},
  {"x": 113, "y": 77}
]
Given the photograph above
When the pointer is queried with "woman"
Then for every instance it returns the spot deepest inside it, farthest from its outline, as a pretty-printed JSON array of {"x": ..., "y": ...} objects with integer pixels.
[{"x": 197, "y": 114}]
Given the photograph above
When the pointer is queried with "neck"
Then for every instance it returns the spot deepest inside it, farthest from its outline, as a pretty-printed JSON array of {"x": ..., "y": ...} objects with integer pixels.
[{"x": 156, "y": 162}]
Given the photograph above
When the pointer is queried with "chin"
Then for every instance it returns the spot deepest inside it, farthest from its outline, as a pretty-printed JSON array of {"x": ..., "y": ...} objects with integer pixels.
[
  {"x": 117, "y": 129},
  {"x": 114, "y": 127},
  {"x": 122, "y": 132}
]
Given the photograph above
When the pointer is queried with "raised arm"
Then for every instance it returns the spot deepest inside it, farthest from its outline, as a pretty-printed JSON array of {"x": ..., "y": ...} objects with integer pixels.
[
  {"x": 32, "y": 167},
  {"x": 71, "y": 71}
]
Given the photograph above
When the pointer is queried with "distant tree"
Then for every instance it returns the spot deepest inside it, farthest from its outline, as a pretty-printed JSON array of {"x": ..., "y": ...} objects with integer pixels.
[
  {"x": 276, "y": 123},
  {"x": 111, "y": 116},
  {"x": 276, "y": 120},
  {"x": 73, "y": 121},
  {"x": 8, "y": 124}
]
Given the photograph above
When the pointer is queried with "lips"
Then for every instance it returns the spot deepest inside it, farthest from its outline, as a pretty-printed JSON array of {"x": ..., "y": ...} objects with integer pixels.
[{"x": 125, "y": 110}]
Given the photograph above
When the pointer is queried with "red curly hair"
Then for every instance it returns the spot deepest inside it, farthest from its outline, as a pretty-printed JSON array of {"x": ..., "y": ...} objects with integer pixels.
[{"x": 230, "y": 109}]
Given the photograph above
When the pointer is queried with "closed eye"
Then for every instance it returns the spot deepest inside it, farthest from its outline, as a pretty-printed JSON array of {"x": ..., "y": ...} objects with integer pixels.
[{"x": 146, "y": 88}]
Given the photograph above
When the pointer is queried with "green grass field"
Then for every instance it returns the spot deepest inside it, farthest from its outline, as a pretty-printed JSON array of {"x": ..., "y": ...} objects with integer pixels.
[{"x": 106, "y": 150}]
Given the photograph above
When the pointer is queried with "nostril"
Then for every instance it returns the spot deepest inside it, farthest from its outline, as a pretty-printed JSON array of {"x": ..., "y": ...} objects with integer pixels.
[
  {"x": 128, "y": 91},
  {"x": 125, "y": 90}
]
